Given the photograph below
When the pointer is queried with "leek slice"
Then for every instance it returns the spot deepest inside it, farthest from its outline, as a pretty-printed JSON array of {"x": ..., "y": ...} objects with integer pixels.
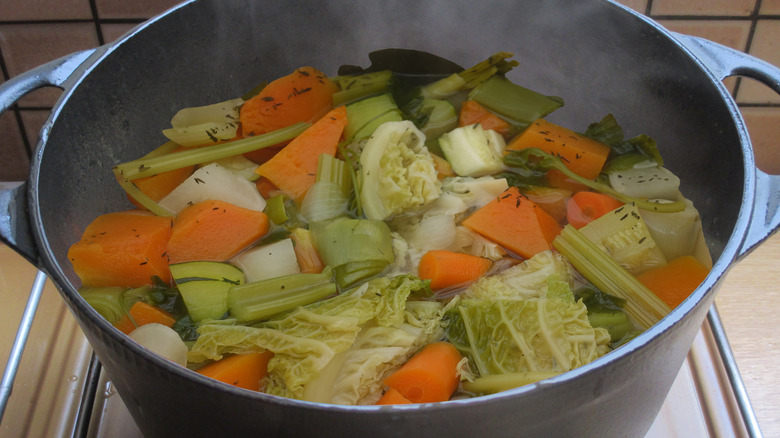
[
  {"x": 642, "y": 305},
  {"x": 359, "y": 86},
  {"x": 366, "y": 115},
  {"x": 107, "y": 301},
  {"x": 204, "y": 287}
]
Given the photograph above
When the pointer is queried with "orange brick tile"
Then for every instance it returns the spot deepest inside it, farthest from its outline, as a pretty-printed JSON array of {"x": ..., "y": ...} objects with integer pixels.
[
  {"x": 762, "y": 124},
  {"x": 703, "y": 7}
]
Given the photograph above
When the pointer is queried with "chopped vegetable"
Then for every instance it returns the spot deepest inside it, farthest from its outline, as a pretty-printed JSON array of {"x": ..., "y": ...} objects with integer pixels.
[
  {"x": 214, "y": 230},
  {"x": 208, "y": 124},
  {"x": 107, "y": 301},
  {"x": 162, "y": 340},
  {"x": 528, "y": 279},
  {"x": 676, "y": 280},
  {"x": 493, "y": 383},
  {"x": 263, "y": 299},
  {"x": 513, "y": 336},
  {"x": 553, "y": 200},
  {"x": 123, "y": 249},
  {"x": 368, "y": 114},
  {"x": 393, "y": 397},
  {"x": 583, "y": 207},
  {"x": 649, "y": 182},
  {"x": 156, "y": 187},
  {"x": 533, "y": 159},
  {"x": 355, "y": 87},
  {"x": 642, "y": 305},
  {"x": 204, "y": 287},
  {"x": 304, "y": 95},
  {"x": 294, "y": 168},
  {"x": 429, "y": 376},
  {"x": 397, "y": 171},
  {"x": 214, "y": 182},
  {"x": 447, "y": 268},
  {"x": 242, "y": 370},
  {"x": 473, "y": 151},
  {"x": 472, "y": 112},
  {"x": 623, "y": 235},
  {"x": 268, "y": 261},
  {"x": 308, "y": 258},
  {"x": 516, "y": 223},
  {"x": 515, "y": 103},
  {"x": 141, "y": 314},
  {"x": 582, "y": 155}
]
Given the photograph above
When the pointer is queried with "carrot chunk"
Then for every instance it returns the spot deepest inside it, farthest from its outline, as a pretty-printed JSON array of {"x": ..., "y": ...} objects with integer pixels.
[
  {"x": 472, "y": 112},
  {"x": 676, "y": 280},
  {"x": 214, "y": 231},
  {"x": 241, "y": 370},
  {"x": 448, "y": 268},
  {"x": 582, "y": 155},
  {"x": 393, "y": 397},
  {"x": 294, "y": 168},
  {"x": 584, "y": 207},
  {"x": 516, "y": 223},
  {"x": 304, "y": 95},
  {"x": 143, "y": 313},
  {"x": 123, "y": 249},
  {"x": 429, "y": 376}
]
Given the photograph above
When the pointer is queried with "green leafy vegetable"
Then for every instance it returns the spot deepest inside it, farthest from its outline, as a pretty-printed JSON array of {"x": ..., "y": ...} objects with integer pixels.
[{"x": 397, "y": 171}]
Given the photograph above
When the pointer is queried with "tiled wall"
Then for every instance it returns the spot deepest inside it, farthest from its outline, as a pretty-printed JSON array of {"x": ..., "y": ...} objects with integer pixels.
[{"x": 33, "y": 32}]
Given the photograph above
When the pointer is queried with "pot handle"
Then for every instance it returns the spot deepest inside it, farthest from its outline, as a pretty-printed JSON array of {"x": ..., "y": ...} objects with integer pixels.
[
  {"x": 723, "y": 62},
  {"x": 15, "y": 228}
]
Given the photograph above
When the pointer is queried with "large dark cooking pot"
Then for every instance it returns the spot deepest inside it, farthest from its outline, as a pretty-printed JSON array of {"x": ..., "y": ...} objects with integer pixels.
[{"x": 599, "y": 56}]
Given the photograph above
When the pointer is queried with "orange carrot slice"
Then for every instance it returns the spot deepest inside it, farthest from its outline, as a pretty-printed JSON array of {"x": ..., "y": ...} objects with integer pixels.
[
  {"x": 429, "y": 376},
  {"x": 472, "y": 112},
  {"x": 584, "y": 207},
  {"x": 143, "y": 313},
  {"x": 294, "y": 168},
  {"x": 123, "y": 249},
  {"x": 516, "y": 223},
  {"x": 214, "y": 231},
  {"x": 582, "y": 155},
  {"x": 302, "y": 96},
  {"x": 676, "y": 280},
  {"x": 393, "y": 397},
  {"x": 448, "y": 268},
  {"x": 241, "y": 370}
]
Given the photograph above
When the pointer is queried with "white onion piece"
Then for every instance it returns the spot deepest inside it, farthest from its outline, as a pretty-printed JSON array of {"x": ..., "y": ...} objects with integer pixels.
[
  {"x": 162, "y": 340},
  {"x": 646, "y": 182},
  {"x": 433, "y": 232},
  {"x": 324, "y": 200},
  {"x": 268, "y": 261},
  {"x": 214, "y": 182}
]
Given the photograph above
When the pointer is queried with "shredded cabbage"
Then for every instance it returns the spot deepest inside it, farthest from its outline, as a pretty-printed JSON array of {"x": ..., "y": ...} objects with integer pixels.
[{"x": 397, "y": 171}]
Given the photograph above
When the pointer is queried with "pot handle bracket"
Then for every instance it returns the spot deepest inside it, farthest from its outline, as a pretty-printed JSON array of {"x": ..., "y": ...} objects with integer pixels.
[
  {"x": 723, "y": 62},
  {"x": 14, "y": 217}
]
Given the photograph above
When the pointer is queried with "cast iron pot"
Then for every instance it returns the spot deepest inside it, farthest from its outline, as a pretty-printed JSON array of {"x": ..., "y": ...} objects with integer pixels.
[{"x": 600, "y": 57}]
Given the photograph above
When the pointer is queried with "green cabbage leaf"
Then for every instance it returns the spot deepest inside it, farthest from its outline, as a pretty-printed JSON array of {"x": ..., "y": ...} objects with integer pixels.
[{"x": 306, "y": 340}]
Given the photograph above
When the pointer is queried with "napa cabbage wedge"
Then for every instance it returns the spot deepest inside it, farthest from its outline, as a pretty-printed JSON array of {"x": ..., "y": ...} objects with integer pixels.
[
  {"x": 397, "y": 171},
  {"x": 305, "y": 340},
  {"x": 528, "y": 279}
]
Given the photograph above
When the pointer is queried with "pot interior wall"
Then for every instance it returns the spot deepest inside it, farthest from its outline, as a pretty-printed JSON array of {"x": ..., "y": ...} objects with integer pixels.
[{"x": 596, "y": 56}]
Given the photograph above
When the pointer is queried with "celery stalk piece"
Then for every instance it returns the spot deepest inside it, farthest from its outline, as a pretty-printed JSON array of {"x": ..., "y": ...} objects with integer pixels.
[
  {"x": 493, "y": 383},
  {"x": 262, "y": 299},
  {"x": 328, "y": 197},
  {"x": 147, "y": 167},
  {"x": 642, "y": 305},
  {"x": 469, "y": 78},
  {"x": 514, "y": 102},
  {"x": 354, "y": 87},
  {"x": 535, "y": 159}
]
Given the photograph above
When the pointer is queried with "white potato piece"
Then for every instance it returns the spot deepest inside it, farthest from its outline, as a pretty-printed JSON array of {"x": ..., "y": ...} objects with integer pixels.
[{"x": 268, "y": 261}]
